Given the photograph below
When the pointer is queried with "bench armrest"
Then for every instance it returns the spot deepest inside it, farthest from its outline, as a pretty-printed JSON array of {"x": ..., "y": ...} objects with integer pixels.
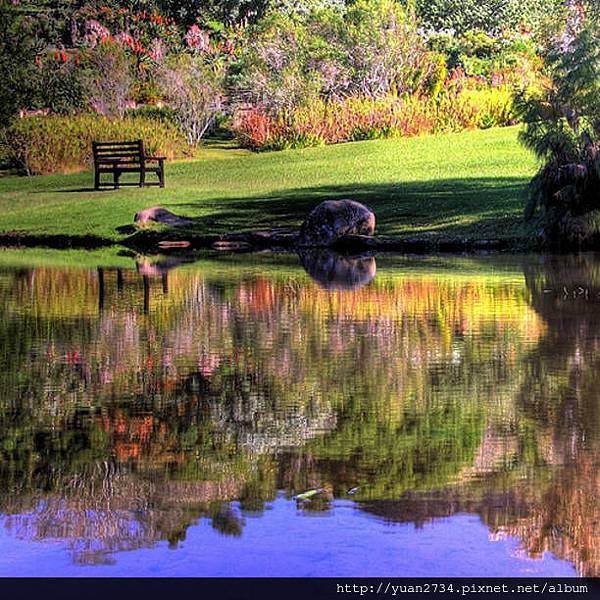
[{"x": 155, "y": 158}]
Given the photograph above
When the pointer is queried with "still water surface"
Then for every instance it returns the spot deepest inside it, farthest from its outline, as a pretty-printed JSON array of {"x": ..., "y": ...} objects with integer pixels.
[{"x": 443, "y": 415}]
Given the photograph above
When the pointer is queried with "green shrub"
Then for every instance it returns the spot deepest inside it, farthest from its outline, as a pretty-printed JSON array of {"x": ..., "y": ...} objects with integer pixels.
[
  {"x": 60, "y": 144},
  {"x": 512, "y": 59},
  {"x": 155, "y": 113},
  {"x": 488, "y": 107}
]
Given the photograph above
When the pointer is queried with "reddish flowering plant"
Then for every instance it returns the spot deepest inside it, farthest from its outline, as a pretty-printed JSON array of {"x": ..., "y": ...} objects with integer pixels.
[
  {"x": 157, "y": 50},
  {"x": 227, "y": 47},
  {"x": 196, "y": 39},
  {"x": 125, "y": 39},
  {"x": 95, "y": 32},
  {"x": 60, "y": 56},
  {"x": 253, "y": 127}
]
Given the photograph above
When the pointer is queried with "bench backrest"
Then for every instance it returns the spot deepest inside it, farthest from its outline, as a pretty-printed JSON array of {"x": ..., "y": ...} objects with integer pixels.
[{"x": 122, "y": 152}]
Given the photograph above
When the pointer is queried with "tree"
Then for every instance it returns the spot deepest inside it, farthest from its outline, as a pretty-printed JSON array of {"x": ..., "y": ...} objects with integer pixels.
[
  {"x": 563, "y": 129},
  {"x": 371, "y": 48},
  {"x": 187, "y": 12},
  {"x": 107, "y": 79},
  {"x": 384, "y": 49},
  {"x": 491, "y": 16},
  {"x": 192, "y": 86},
  {"x": 20, "y": 43}
]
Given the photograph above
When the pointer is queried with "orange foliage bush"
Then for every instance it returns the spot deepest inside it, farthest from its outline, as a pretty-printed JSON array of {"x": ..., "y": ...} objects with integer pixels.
[{"x": 356, "y": 119}]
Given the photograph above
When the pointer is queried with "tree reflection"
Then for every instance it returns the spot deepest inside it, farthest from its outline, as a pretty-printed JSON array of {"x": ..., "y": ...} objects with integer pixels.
[
  {"x": 426, "y": 393},
  {"x": 544, "y": 491}
]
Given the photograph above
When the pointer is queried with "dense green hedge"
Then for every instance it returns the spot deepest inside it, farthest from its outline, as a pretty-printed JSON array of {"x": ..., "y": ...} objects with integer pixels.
[{"x": 60, "y": 144}]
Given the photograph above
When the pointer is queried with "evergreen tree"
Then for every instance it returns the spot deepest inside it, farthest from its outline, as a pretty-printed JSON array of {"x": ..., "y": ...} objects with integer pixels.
[{"x": 563, "y": 129}]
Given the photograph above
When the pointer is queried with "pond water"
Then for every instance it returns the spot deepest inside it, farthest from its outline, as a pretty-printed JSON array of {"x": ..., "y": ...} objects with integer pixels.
[{"x": 436, "y": 416}]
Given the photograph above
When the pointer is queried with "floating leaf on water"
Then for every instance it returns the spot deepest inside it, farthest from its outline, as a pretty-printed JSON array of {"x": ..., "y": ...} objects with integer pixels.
[{"x": 309, "y": 494}]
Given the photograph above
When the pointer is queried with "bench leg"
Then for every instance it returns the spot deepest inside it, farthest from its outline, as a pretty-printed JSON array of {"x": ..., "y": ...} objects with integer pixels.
[
  {"x": 142, "y": 177},
  {"x": 97, "y": 180},
  {"x": 117, "y": 174},
  {"x": 161, "y": 175}
]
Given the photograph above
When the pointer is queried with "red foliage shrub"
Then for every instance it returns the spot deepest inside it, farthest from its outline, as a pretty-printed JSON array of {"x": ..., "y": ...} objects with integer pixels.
[
  {"x": 354, "y": 119},
  {"x": 253, "y": 127}
]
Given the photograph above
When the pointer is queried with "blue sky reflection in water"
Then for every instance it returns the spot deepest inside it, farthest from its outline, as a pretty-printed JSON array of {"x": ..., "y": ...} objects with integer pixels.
[
  {"x": 282, "y": 542},
  {"x": 160, "y": 419}
]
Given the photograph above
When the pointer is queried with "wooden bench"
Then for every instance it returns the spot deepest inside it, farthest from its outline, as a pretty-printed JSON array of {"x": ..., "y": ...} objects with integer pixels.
[{"x": 125, "y": 157}]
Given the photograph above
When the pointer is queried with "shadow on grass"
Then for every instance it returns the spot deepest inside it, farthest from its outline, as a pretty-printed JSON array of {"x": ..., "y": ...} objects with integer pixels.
[
  {"x": 473, "y": 207},
  {"x": 126, "y": 229},
  {"x": 82, "y": 190},
  {"x": 104, "y": 188}
]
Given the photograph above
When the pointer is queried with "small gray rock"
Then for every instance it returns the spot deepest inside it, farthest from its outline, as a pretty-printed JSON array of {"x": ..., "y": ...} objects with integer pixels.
[
  {"x": 158, "y": 214},
  {"x": 333, "y": 219}
]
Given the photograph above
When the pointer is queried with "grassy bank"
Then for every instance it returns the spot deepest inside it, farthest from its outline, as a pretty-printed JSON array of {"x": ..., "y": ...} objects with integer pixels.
[{"x": 467, "y": 185}]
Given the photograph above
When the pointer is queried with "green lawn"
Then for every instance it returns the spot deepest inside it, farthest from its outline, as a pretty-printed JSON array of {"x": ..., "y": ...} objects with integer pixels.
[{"x": 466, "y": 185}]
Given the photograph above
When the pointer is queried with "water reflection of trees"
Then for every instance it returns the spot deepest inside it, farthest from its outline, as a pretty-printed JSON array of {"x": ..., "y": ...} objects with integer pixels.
[
  {"x": 125, "y": 421},
  {"x": 560, "y": 396},
  {"x": 546, "y": 494}
]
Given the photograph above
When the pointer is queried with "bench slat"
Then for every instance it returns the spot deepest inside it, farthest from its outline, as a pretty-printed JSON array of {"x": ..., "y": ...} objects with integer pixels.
[
  {"x": 101, "y": 144},
  {"x": 116, "y": 150},
  {"x": 119, "y": 153},
  {"x": 117, "y": 161},
  {"x": 117, "y": 146},
  {"x": 117, "y": 157},
  {"x": 124, "y": 153},
  {"x": 130, "y": 170},
  {"x": 109, "y": 148}
]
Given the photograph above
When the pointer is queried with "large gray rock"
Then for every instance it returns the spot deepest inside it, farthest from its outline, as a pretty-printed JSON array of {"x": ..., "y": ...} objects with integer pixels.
[
  {"x": 333, "y": 219},
  {"x": 158, "y": 214}
]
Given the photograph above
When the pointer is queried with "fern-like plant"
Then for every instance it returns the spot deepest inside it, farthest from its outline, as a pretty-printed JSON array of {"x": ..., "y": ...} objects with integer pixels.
[{"x": 562, "y": 127}]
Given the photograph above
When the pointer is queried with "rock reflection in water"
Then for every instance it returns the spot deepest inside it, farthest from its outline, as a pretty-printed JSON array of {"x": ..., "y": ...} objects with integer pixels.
[
  {"x": 332, "y": 270},
  {"x": 429, "y": 393},
  {"x": 158, "y": 268}
]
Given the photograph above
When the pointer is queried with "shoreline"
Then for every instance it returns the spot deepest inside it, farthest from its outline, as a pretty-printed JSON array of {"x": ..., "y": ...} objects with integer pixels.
[{"x": 279, "y": 239}]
